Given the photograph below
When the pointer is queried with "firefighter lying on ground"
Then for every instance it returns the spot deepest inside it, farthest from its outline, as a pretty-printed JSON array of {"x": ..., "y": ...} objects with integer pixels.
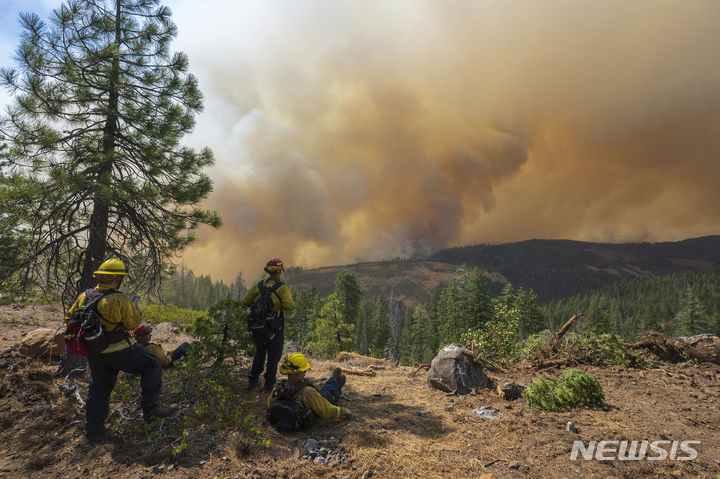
[{"x": 321, "y": 403}]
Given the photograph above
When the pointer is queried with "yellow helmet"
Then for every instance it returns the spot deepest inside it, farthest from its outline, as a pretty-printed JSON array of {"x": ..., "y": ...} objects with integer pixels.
[
  {"x": 112, "y": 266},
  {"x": 294, "y": 363}
]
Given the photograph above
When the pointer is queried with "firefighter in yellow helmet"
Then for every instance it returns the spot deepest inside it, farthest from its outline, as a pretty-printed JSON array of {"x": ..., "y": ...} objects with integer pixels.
[
  {"x": 297, "y": 390},
  {"x": 269, "y": 339},
  {"x": 117, "y": 315}
]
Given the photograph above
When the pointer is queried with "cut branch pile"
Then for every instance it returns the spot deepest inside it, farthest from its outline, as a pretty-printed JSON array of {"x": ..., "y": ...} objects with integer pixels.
[{"x": 704, "y": 348}]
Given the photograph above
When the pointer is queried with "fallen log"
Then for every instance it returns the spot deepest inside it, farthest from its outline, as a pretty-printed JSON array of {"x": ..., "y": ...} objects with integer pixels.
[
  {"x": 358, "y": 372},
  {"x": 356, "y": 359}
]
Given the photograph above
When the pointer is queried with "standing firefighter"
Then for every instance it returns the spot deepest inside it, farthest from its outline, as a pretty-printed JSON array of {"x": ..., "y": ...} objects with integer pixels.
[
  {"x": 296, "y": 404},
  {"x": 268, "y": 300},
  {"x": 118, "y": 350}
]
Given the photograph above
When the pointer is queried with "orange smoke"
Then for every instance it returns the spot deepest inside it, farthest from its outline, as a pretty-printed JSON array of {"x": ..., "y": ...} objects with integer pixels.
[{"x": 349, "y": 131}]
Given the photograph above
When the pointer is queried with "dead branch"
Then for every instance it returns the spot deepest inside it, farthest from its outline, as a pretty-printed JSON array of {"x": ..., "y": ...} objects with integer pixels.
[
  {"x": 489, "y": 365},
  {"x": 422, "y": 366},
  {"x": 561, "y": 332}
]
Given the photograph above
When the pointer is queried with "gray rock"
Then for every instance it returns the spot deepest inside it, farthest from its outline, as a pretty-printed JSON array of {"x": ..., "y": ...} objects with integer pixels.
[
  {"x": 570, "y": 427},
  {"x": 455, "y": 370},
  {"x": 486, "y": 412},
  {"x": 309, "y": 445},
  {"x": 320, "y": 460}
]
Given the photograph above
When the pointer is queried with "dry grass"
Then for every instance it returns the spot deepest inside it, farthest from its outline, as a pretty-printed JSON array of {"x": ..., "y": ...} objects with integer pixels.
[
  {"x": 357, "y": 360},
  {"x": 402, "y": 428}
]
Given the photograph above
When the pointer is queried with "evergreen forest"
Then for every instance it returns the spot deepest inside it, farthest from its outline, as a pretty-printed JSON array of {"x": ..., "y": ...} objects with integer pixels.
[{"x": 382, "y": 326}]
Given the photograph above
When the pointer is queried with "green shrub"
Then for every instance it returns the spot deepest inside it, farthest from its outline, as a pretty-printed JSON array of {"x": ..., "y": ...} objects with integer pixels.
[
  {"x": 496, "y": 340},
  {"x": 160, "y": 313},
  {"x": 213, "y": 412},
  {"x": 534, "y": 344},
  {"x": 573, "y": 389},
  {"x": 221, "y": 333}
]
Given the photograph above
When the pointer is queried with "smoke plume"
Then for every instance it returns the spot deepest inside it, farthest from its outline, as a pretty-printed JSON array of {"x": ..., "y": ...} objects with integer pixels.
[{"x": 349, "y": 131}]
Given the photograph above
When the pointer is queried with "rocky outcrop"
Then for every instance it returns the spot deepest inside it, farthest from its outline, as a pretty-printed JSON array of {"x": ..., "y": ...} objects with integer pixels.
[{"x": 42, "y": 343}]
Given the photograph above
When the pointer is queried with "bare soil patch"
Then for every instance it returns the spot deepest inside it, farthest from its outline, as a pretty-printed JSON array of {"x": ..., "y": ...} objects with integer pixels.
[{"x": 400, "y": 427}]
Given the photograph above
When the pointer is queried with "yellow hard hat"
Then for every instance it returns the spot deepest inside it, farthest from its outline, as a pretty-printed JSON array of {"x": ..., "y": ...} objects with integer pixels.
[
  {"x": 112, "y": 266},
  {"x": 294, "y": 363}
]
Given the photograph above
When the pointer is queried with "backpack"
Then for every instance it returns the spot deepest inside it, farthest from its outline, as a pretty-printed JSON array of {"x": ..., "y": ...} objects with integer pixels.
[
  {"x": 287, "y": 413},
  {"x": 84, "y": 334},
  {"x": 263, "y": 322}
]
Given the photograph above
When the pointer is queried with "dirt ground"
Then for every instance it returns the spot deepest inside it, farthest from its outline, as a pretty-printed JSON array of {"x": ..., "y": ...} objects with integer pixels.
[{"x": 400, "y": 427}]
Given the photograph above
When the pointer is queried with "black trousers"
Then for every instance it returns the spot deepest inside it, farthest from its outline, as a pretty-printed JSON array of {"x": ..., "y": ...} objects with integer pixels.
[
  {"x": 273, "y": 351},
  {"x": 104, "y": 370}
]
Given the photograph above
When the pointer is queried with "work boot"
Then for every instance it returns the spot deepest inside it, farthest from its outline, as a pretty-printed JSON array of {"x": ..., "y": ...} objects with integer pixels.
[
  {"x": 158, "y": 412},
  {"x": 340, "y": 377},
  {"x": 94, "y": 436},
  {"x": 269, "y": 387},
  {"x": 252, "y": 384}
]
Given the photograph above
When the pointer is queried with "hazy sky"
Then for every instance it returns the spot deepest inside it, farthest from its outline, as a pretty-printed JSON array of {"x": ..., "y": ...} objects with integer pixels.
[{"x": 359, "y": 130}]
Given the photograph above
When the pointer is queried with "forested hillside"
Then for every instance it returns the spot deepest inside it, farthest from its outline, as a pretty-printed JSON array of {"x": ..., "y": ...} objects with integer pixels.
[
  {"x": 560, "y": 268},
  {"x": 405, "y": 310},
  {"x": 552, "y": 268},
  {"x": 676, "y": 304}
]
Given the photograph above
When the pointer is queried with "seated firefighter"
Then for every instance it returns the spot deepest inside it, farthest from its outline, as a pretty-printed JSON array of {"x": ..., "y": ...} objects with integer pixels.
[
  {"x": 143, "y": 335},
  {"x": 295, "y": 404}
]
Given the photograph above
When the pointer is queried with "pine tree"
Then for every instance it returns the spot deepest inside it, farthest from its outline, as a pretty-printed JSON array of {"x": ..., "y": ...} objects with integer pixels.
[
  {"x": 100, "y": 107},
  {"x": 530, "y": 315},
  {"x": 308, "y": 304},
  {"x": 349, "y": 294},
  {"x": 691, "y": 318},
  {"x": 450, "y": 312},
  {"x": 392, "y": 347},
  {"x": 331, "y": 333},
  {"x": 362, "y": 337},
  {"x": 378, "y": 327},
  {"x": 477, "y": 304}
]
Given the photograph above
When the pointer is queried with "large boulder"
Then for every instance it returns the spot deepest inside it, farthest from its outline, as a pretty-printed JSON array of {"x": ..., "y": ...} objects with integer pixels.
[
  {"x": 42, "y": 343},
  {"x": 455, "y": 370}
]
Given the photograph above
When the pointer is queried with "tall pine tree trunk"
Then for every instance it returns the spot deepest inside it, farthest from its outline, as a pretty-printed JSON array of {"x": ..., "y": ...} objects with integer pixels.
[{"x": 97, "y": 240}]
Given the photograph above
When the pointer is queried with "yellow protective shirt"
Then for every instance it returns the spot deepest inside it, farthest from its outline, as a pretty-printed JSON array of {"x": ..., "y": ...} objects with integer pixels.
[
  {"x": 312, "y": 398},
  {"x": 159, "y": 353},
  {"x": 116, "y": 312},
  {"x": 281, "y": 298}
]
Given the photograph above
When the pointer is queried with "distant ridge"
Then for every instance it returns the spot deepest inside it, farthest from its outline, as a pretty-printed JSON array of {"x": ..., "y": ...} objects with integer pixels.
[{"x": 553, "y": 268}]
